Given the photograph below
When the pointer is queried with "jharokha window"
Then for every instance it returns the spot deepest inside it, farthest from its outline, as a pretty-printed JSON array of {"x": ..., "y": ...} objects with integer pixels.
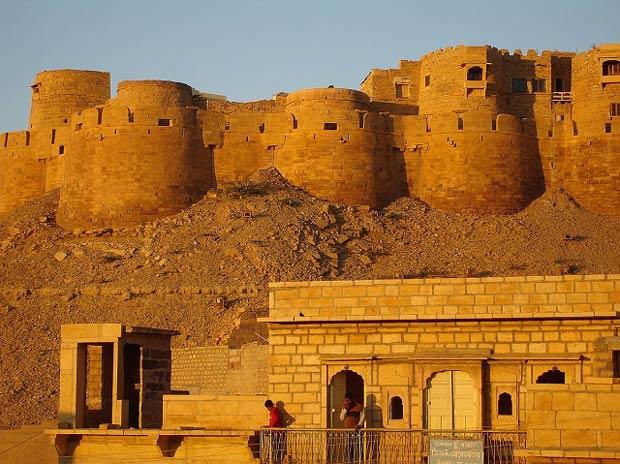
[
  {"x": 614, "y": 109},
  {"x": 519, "y": 85},
  {"x": 401, "y": 90},
  {"x": 474, "y": 74},
  {"x": 611, "y": 68}
]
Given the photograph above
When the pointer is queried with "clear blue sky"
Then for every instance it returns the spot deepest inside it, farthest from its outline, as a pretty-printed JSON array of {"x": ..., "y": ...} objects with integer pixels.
[{"x": 249, "y": 50}]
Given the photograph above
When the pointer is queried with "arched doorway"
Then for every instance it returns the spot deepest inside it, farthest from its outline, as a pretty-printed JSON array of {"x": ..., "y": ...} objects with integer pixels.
[
  {"x": 451, "y": 402},
  {"x": 341, "y": 383}
]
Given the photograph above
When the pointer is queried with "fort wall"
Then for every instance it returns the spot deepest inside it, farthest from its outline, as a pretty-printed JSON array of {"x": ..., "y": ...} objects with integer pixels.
[
  {"x": 466, "y": 129},
  {"x": 21, "y": 176},
  {"x": 136, "y": 159},
  {"x": 246, "y": 137},
  {"x": 336, "y": 148},
  {"x": 590, "y": 171}
]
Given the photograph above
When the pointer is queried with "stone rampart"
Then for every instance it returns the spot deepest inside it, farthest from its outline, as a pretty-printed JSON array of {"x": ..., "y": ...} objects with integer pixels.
[
  {"x": 466, "y": 129},
  {"x": 163, "y": 169}
]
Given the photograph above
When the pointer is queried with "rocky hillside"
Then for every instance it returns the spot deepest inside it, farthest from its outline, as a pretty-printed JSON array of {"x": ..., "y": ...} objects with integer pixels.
[{"x": 205, "y": 270}]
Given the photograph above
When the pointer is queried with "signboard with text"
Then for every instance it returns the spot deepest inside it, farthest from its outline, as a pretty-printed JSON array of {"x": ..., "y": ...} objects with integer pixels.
[{"x": 448, "y": 451}]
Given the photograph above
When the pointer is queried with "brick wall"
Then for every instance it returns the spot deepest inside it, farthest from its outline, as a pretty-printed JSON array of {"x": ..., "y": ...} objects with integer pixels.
[
  {"x": 569, "y": 417},
  {"x": 220, "y": 370}
]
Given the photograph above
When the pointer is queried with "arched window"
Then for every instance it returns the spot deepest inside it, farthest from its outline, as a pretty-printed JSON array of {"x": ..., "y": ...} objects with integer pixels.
[
  {"x": 294, "y": 120},
  {"x": 504, "y": 405},
  {"x": 611, "y": 68},
  {"x": 552, "y": 376},
  {"x": 396, "y": 407},
  {"x": 474, "y": 73}
]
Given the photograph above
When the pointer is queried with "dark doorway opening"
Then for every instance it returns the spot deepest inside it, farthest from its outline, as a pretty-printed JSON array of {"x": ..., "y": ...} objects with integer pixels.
[{"x": 132, "y": 355}]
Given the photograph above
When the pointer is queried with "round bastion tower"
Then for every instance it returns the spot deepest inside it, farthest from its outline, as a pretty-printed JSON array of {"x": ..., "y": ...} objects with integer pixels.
[
  {"x": 135, "y": 159},
  {"x": 590, "y": 168},
  {"x": 337, "y": 148},
  {"x": 32, "y": 161},
  {"x": 56, "y": 95},
  {"x": 475, "y": 155}
]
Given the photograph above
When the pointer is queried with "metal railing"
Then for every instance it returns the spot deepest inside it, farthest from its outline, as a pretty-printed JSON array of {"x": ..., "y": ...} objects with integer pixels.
[{"x": 377, "y": 446}]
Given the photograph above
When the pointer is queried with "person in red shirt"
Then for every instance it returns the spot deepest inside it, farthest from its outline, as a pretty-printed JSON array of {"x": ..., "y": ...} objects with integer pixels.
[
  {"x": 275, "y": 418},
  {"x": 275, "y": 439}
]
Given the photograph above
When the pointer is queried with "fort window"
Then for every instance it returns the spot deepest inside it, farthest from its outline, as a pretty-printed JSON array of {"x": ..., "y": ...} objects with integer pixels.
[
  {"x": 6, "y": 139},
  {"x": 261, "y": 128},
  {"x": 459, "y": 123},
  {"x": 360, "y": 118},
  {"x": 560, "y": 85},
  {"x": 504, "y": 405},
  {"x": 615, "y": 364},
  {"x": 427, "y": 80},
  {"x": 401, "y": 90},
  {"x": 53, "y": 136},
  {"x": 552, "y": 376},
  {"x": 61, "y": 149},
  {"x": 129, "y": 116},
  {"x": 608, "y": 128},
  {"x": 519, "y": 85},
  {"x": 494, "y": 124},
  {"x": 614, "y": 109},
  {"x": 227, "y": 126},
  {"x": 99, "y": 115},
  {"x": 27, "y": 138},
  {"x": 78, "y": 126},
  {"x": 538, "y": 85},
  {"x": 36, "y": 89},
  {"x": 164, "y": 122},
  {"x": 611, "y": 68},
  {"x": 550, "y": 133},
  {"x": 330, "y": 126},
  {"x": 474, "y": 74},
  {"x": 396, "y": 408},
  {"x": 293, "y": 121}
]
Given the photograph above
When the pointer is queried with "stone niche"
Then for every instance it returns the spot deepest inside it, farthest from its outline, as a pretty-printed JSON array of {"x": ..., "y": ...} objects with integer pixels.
[{"x": 113, "y": 375}]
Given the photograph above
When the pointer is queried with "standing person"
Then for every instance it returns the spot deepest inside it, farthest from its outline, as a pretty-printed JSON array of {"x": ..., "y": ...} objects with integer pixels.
[
  {"x": 274, "y": 439},
  {"x": 352, "y": 415}
]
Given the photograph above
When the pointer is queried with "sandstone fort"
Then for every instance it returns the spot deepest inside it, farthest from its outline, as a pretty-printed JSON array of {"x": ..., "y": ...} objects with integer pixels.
[
  {"x": 465, "y": 129},
  {"x": 525, "y": 366}
]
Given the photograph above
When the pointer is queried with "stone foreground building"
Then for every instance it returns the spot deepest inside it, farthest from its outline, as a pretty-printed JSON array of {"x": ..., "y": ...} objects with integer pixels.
[
  {"x": 469, "y": 128},
  {"x": 528, "y": 365}
]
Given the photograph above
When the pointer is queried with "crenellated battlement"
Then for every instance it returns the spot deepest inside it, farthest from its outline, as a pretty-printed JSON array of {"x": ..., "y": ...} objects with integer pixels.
[
  {"x": 465, "y": 128},
  {"x": 14, "y": 140}
]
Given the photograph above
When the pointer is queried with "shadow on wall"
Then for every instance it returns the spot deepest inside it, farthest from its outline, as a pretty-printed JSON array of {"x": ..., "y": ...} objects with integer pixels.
[
  {"x": 393, "y": 184},
  {"x": 402, "y": 109},
  {"x": 287, "y": 419},
  {"x": 373, "y": 413}
]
